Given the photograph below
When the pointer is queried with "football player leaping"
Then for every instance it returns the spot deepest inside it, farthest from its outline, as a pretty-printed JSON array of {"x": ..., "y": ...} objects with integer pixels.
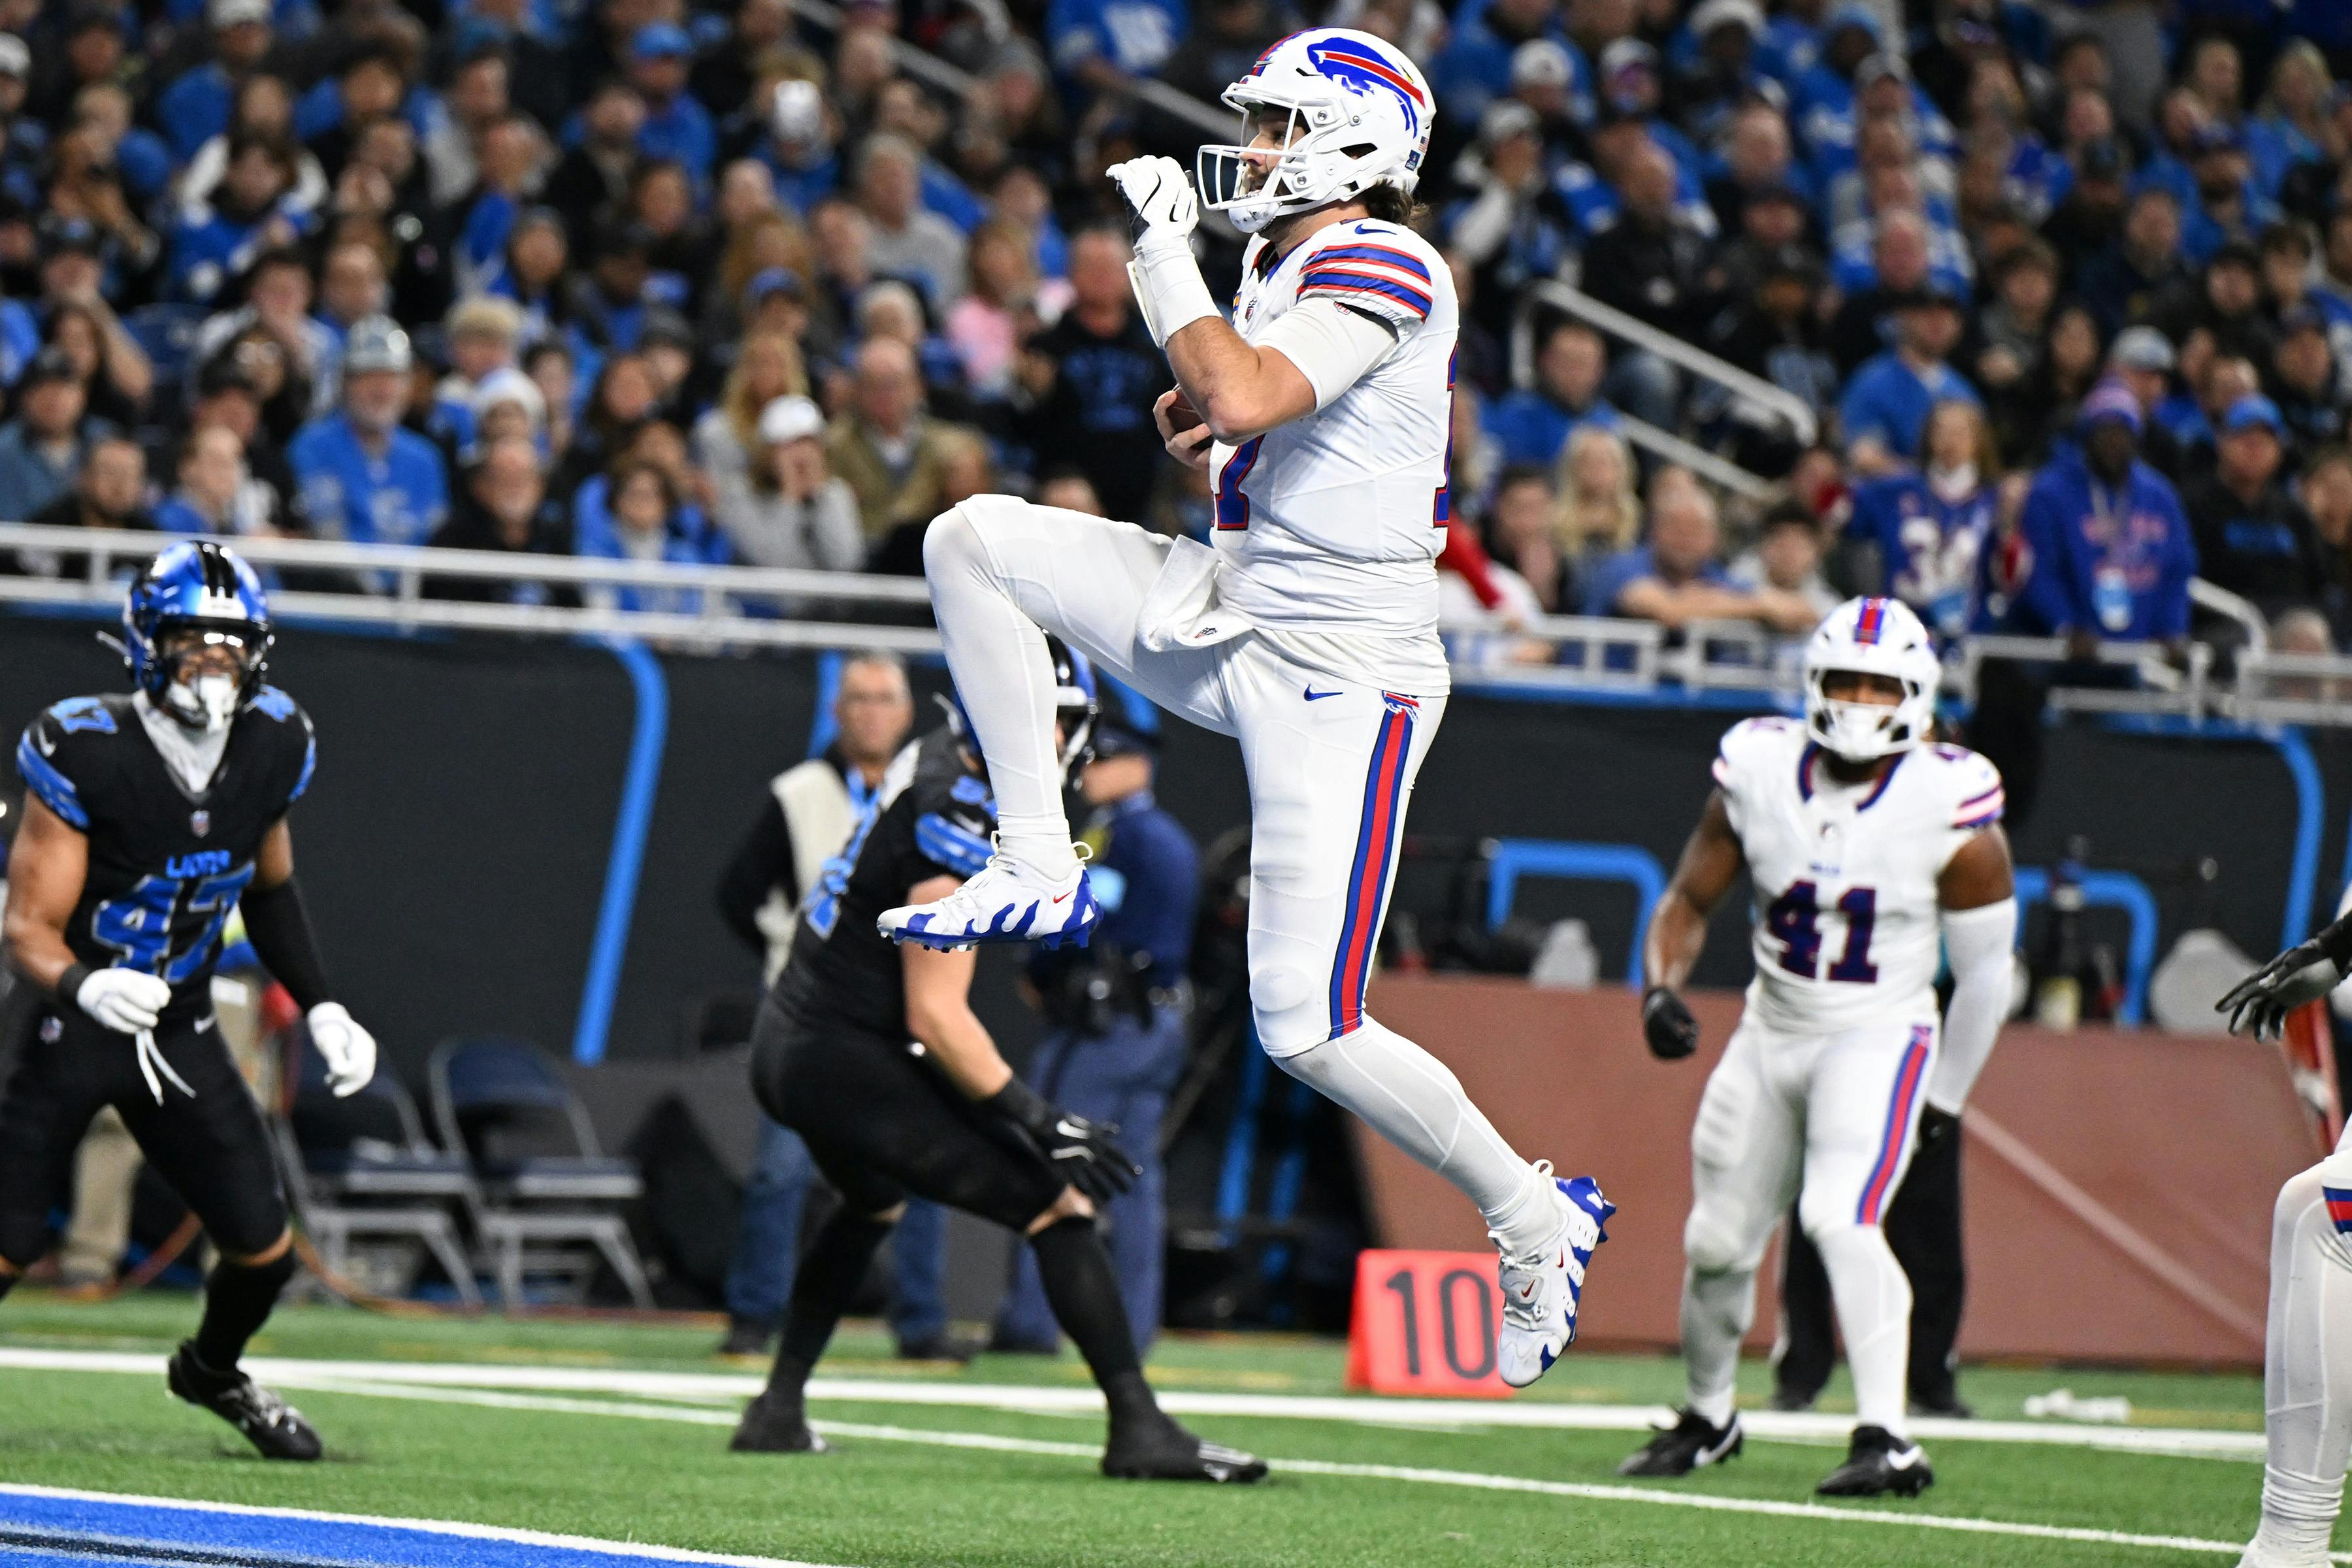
[
  {"x": 2307, "y": 1352},
  {"x": 1864, "y": 843},
  {"x": 150, "y": 818},
  {"x": 1308, "y": 632}
]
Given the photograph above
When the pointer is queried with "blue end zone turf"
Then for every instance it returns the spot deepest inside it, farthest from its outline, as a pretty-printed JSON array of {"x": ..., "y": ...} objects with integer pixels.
[{"x": 41, "y": 1528}]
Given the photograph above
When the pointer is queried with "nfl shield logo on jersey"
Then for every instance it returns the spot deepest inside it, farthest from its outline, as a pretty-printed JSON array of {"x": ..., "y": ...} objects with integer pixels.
[{"x": 200, "y": 822}]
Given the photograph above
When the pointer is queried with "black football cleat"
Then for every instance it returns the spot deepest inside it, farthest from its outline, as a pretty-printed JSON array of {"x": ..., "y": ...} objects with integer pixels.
[
  {"x": 1691, "y": 1443},
  {"x": 268, "y": 1423},
  {"x": 1880, "y": 1463},
  {"x": 773, "y": 1424},
  {"x": 1161, "y": 1450}
]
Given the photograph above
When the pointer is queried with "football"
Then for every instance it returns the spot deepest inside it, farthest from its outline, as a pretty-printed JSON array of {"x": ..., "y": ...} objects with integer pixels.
[{"x": 1182, "y": 415}]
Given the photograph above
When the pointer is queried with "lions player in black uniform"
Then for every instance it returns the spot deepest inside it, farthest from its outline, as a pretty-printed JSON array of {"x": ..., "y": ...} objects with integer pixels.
[
  {"x": 942, "y": 1117},
  {"x": 149, "y": 817}
]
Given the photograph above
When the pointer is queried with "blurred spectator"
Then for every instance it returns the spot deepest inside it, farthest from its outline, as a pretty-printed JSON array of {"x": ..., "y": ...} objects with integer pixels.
[
  {"x": 1864, "y": 323},
  {"x": 1007, "y": 306},
  {"x": 2142, "y": 276},
  {"x": 1648, "y": 264},
  {"x": 1098, "y": 43},
  {"x": 1776, "y": 334},
  {"x": 593, "y": 174},
  {"x": 481, "y": 333},
  {"x": 1927, "y": 530},
  {"x": 2031, "y": 415},
  {"x": 1092, "y": 378},
  {"x": 1533, "y": 426},
  {"x": 507, "y": 406},
  {"x": 43, "y": 447},
  {"x": 365, "y": 477},
  {"x": 1522, "y": 533},
  {"x": 907, "y": 239},
  {"x": 647, "y": 520},
  {"x": 106, "y": 493},
  {"x": 885, "y": 446},
  {"x": 248, "y": 215},
  {"x": 727, "y": 437},
  {"x": 278, "y": 300},
  {"x": 1597, "y": 513},
  {"x": 1675, "y": 578},
  {"x": 216, "y": 494},
  {"x": 196, "y": 107},
  {"x": 505, "y": 507},
  {"x": 1787, "y": 559},
  {"x": 786, "y": 509},
  {"x": 2025, "y": 288},
  {"x": 2110, "y": 552},
  {"x": 2308, "y": 383},
  {"x": 2253, "y": 538},
  {"x": 2142, "y": 359},
  {"x": 1071, "y": 492},
  {"x": 2325, "y": 489},
  {"x": 1886, "y": 403},
  {"x": 116, "y": 374}
]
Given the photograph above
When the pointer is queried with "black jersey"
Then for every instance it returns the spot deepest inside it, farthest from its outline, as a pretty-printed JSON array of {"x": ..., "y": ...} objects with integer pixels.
[
  {"x": 932, "y": 816},
  {"x": 166, "y": 867}
]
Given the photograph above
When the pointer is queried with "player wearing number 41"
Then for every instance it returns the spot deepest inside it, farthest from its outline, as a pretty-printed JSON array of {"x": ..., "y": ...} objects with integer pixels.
[
  {"x": 149, "y": 817},
  {"x": 1308, "y": 632},
  {"x": 1865, "y": 843}
]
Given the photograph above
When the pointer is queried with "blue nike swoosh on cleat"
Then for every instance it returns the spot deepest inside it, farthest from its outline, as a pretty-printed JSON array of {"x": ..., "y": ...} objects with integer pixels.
[{"x": 1315, "y": 696}]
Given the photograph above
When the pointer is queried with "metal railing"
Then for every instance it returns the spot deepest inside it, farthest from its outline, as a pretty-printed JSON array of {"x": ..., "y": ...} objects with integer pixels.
[
  {"x": 716, "y": 607},
  {"x": 1559, "y": 296}
]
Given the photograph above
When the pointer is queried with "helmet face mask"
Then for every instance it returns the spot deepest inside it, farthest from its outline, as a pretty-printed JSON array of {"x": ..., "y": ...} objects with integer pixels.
[
  {"x": 196, "y": 634},
  {"x": 1883, "y": 641},
  {"x": 1355, "y": 115}
]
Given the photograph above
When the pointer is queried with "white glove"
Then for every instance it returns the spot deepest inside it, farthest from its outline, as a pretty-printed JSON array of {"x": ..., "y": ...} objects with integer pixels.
[
  {"x": 1161, "y": 197},
  {"x": 1167, "y": 280},
  {"x": 349, "y": 1050},
  {"x": 123, "y": 1000}
]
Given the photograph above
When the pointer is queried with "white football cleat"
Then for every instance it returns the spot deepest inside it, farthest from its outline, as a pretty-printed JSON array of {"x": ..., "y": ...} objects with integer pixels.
[
  {"x": 1540, "y": 1292},
  {"x": 1004, "y": 902}
]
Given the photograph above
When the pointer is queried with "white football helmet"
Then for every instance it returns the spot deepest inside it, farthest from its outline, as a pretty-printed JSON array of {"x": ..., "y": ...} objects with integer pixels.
[
  {"x": 1359, "y": 113},
  {"x": 1876, "y": 637}
]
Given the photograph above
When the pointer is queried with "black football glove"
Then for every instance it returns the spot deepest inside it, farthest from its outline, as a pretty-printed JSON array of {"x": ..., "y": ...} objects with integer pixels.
[
  {"x": 1079, "y": 1150},
  {"x": 1667, "y": 1024},
  {"x": 1935, "y": 1126},
  {"x": 2258, "y": 1003}
]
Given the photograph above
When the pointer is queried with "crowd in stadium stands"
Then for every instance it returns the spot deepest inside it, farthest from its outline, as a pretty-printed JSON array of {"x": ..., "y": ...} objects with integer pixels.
[{"x": 700, "y": 285}]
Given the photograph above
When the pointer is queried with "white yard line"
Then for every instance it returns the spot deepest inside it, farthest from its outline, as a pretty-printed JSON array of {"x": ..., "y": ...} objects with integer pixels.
[
  {"x": 1764, "y": 1425},
  {"x": 430, "y": 1526},
  {"x": 1583, "y": 1491}
]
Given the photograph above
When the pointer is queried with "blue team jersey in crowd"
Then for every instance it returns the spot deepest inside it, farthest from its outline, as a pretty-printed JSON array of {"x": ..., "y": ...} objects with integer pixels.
[
  {"x": 1531, "y": 428},
  {"x": 1931, "y": 548},
  {"x": 1135, "y": 36},
  {"x": 2113, "y": 561},
  {"x": 398, "y": 499},
  {"x": 1886, "y": 399}
]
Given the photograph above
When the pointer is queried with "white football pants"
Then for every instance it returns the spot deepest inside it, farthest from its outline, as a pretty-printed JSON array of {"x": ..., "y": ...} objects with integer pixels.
[
  {"x": 2307, "y": 1371},
  {"x": 1836, "y": 1113},
  {"x": 1330, "y": 764}
]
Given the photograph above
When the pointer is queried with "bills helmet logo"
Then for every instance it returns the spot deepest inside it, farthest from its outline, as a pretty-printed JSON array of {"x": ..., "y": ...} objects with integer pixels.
[{"x": 1362, "y": 71}]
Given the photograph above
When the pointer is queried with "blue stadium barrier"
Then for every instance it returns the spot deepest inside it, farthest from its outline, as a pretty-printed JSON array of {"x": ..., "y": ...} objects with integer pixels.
[
  {"x": 1627, "y": 863},
  {"x": 2108, "y": 890}
]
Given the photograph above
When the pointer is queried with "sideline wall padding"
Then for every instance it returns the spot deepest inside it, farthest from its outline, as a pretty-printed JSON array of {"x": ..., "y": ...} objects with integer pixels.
[{"x": 2181, "y": 1140}]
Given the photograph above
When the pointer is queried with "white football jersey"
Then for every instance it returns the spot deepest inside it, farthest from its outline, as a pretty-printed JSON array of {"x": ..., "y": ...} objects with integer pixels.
[
  {"x": 1333, "y": 521},
  {"x": 1847, "y": 917}
]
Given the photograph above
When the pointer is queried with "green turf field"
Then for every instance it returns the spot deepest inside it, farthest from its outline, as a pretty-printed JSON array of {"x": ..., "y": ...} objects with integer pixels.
[{"x": 551, "y": 1434}]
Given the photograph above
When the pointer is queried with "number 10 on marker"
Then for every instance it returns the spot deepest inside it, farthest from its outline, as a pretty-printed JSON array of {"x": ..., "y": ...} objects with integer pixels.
[{"x": 1425, "y": 1323}]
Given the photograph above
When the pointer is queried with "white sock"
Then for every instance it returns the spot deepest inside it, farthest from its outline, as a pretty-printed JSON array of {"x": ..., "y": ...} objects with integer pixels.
[
  {"x": 1413, "y": 1100},
  {"x": 1716, "y": 1310},
  {"x": 1874, "y": 1310},
  {"x": 997, "y": 655},
  {"x": 2307, "y": 1371}
]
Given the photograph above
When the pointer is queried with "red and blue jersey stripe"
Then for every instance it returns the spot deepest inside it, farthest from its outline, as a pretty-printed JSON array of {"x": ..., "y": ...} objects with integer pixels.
[
  {"x": 1368, "y": 876},
  {"x": 1385, "y": 271},
  {"x": 1233, "y": 506},
  {"x": 1981, "y": 809},
  {"x": 2339, "y": 1207},
  {"x": 1908, "y": 1075}
]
